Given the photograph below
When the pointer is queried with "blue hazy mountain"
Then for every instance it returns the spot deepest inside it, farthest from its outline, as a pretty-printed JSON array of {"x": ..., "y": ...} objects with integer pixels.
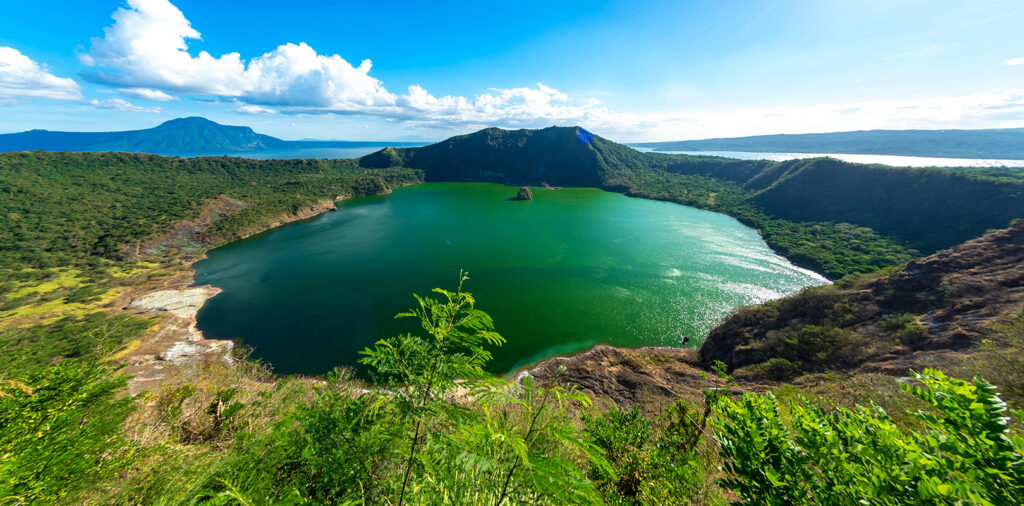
[
  {"x": 192, "y": 135},
  {"x": 1002, "y": 143}
]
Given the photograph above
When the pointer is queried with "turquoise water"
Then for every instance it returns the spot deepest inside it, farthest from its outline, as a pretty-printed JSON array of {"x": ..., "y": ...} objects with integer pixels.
[{"x": 569, "y": 269}]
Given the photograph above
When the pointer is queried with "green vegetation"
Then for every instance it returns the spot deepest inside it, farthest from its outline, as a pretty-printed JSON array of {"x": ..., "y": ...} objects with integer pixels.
[
  {"x": 59, "y": 432},
  {"x": 75, "y": 208},
  {"x": 64, "y": 209},
  {"x": 833, "y": 249},
  {"x": 965, "y": 453},
  {"x": 437, "y": 429},
  {"x": 93, "y": 336}
]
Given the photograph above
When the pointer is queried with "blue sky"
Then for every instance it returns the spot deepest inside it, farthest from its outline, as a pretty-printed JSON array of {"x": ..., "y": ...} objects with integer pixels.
[{"x": 630, "y": 71}]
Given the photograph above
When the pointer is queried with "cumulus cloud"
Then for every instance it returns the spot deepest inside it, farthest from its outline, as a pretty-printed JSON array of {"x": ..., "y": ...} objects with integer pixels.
[
  {"x": 255, "y": 109},
  {"x": 21, "y": 78},
  {"x": 147, "y": 47},
  {"x": 120, "y": 104},
  {"x": 1015, "y": 61},
  {"x": 146, "y": 94}
]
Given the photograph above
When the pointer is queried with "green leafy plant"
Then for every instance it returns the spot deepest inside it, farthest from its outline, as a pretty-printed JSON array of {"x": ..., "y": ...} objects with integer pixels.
[
  {"x": 966, "y": 452},
  {"x": 624, "y": 436},
  {"x": 422, "y": 370},
  {"x": 59, "y": 432}
]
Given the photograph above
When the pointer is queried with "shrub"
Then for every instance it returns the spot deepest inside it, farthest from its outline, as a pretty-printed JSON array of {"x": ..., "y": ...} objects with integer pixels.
[
  {"x": 59, "y": 432},
  {"x": 904, "y": 327},
  {"x": 817, "y": 347},
  {"x": 623, "y": 435},
  {"x": 778, "y": 369},
  {"x": 413, "y": 440},
  {"x": 965, "y": 453}
]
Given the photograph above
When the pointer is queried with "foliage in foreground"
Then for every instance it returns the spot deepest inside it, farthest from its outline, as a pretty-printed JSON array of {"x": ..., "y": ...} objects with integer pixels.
[
  {"x": 437, "y": 430},
  {"x": 59, "y": 432},
  {"x": 965, "y": 453},
  {"x": 415, "y": 440}
]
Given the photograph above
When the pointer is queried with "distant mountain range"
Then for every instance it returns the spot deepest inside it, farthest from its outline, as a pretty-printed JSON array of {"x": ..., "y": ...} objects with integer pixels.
[
  {"x": 191, "y": 136},
  {"x": 1003, "y": 143}
]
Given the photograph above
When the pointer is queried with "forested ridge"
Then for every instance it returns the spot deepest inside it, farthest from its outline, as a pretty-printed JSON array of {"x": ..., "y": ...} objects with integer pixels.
[
  {"x": 1000, "y": 143},
  {"x": 779, "y": 410},
  {"x": 834, "y": 217},
  {"x": 65, "y": 208}
]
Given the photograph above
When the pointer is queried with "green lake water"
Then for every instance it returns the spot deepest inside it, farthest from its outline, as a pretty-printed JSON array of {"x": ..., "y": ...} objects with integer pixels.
[{"x": 569, "y": 269}]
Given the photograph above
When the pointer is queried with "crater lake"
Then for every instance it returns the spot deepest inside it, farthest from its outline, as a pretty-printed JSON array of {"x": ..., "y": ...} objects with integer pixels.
[{"x": 571, "y": 268}]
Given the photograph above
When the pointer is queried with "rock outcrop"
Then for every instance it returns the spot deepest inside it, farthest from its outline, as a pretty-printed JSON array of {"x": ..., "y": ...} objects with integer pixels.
[
  {"x": 524, "y": 194},
  {"x": 941, "y": 302},
  {"x": 175, "y": 341},
  {"x": 649, "y": 377},
  {"x": 183, "y": 303}
]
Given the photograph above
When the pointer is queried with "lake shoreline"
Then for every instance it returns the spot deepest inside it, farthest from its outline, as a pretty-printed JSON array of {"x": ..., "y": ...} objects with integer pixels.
[
  {"x": 640, "y": 338},
  {"x": 317, "y": 209}
]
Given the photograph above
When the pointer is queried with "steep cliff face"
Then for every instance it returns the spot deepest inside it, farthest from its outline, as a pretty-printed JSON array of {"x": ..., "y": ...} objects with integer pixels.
[{"x": 945, "y": 301}]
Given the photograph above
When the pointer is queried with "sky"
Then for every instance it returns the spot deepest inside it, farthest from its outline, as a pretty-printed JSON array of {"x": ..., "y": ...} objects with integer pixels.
[{"x": 629, "y": 71}]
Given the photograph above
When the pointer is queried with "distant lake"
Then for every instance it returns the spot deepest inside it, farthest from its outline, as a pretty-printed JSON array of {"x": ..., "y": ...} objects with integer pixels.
[
  {"x": 569, "y": 269},
  {"x": 895, "y": 161}
]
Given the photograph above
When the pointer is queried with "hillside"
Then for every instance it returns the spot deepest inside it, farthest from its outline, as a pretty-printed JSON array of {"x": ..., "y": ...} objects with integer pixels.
[
  {"x": 549, "y": 156},
  {"x": 79, "y": 208},
  {"x": 1003, "y": 143},
  {"x": 834, "y": 217},
  {"x": 932, "y": 310},
  {"x": 831, "y": 216}
]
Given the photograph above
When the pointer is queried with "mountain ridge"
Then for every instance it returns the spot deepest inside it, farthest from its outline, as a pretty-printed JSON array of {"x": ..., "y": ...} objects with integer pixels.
[
  {"x": 995, "y": 143},
  {"x": 181, "y": 136}
]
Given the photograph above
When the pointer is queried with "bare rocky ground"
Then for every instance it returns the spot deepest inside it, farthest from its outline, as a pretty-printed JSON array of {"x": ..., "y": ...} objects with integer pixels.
[
  {"x": 174, "y": 342},
  {"x": 649, "y": 377}
]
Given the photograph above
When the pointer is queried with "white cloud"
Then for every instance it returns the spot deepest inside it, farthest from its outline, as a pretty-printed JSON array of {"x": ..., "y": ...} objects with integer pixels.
[
  {"x": 1015, "y": 61},
  {"x": 255, "y": 109},
  {"x": 147, "y": 48},
  {"x": 21, "y": 78},
  {"x": 147, "y": 94},
  {"x": 120, "y": 104},
  {"x": 1000, "y": 108}
]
